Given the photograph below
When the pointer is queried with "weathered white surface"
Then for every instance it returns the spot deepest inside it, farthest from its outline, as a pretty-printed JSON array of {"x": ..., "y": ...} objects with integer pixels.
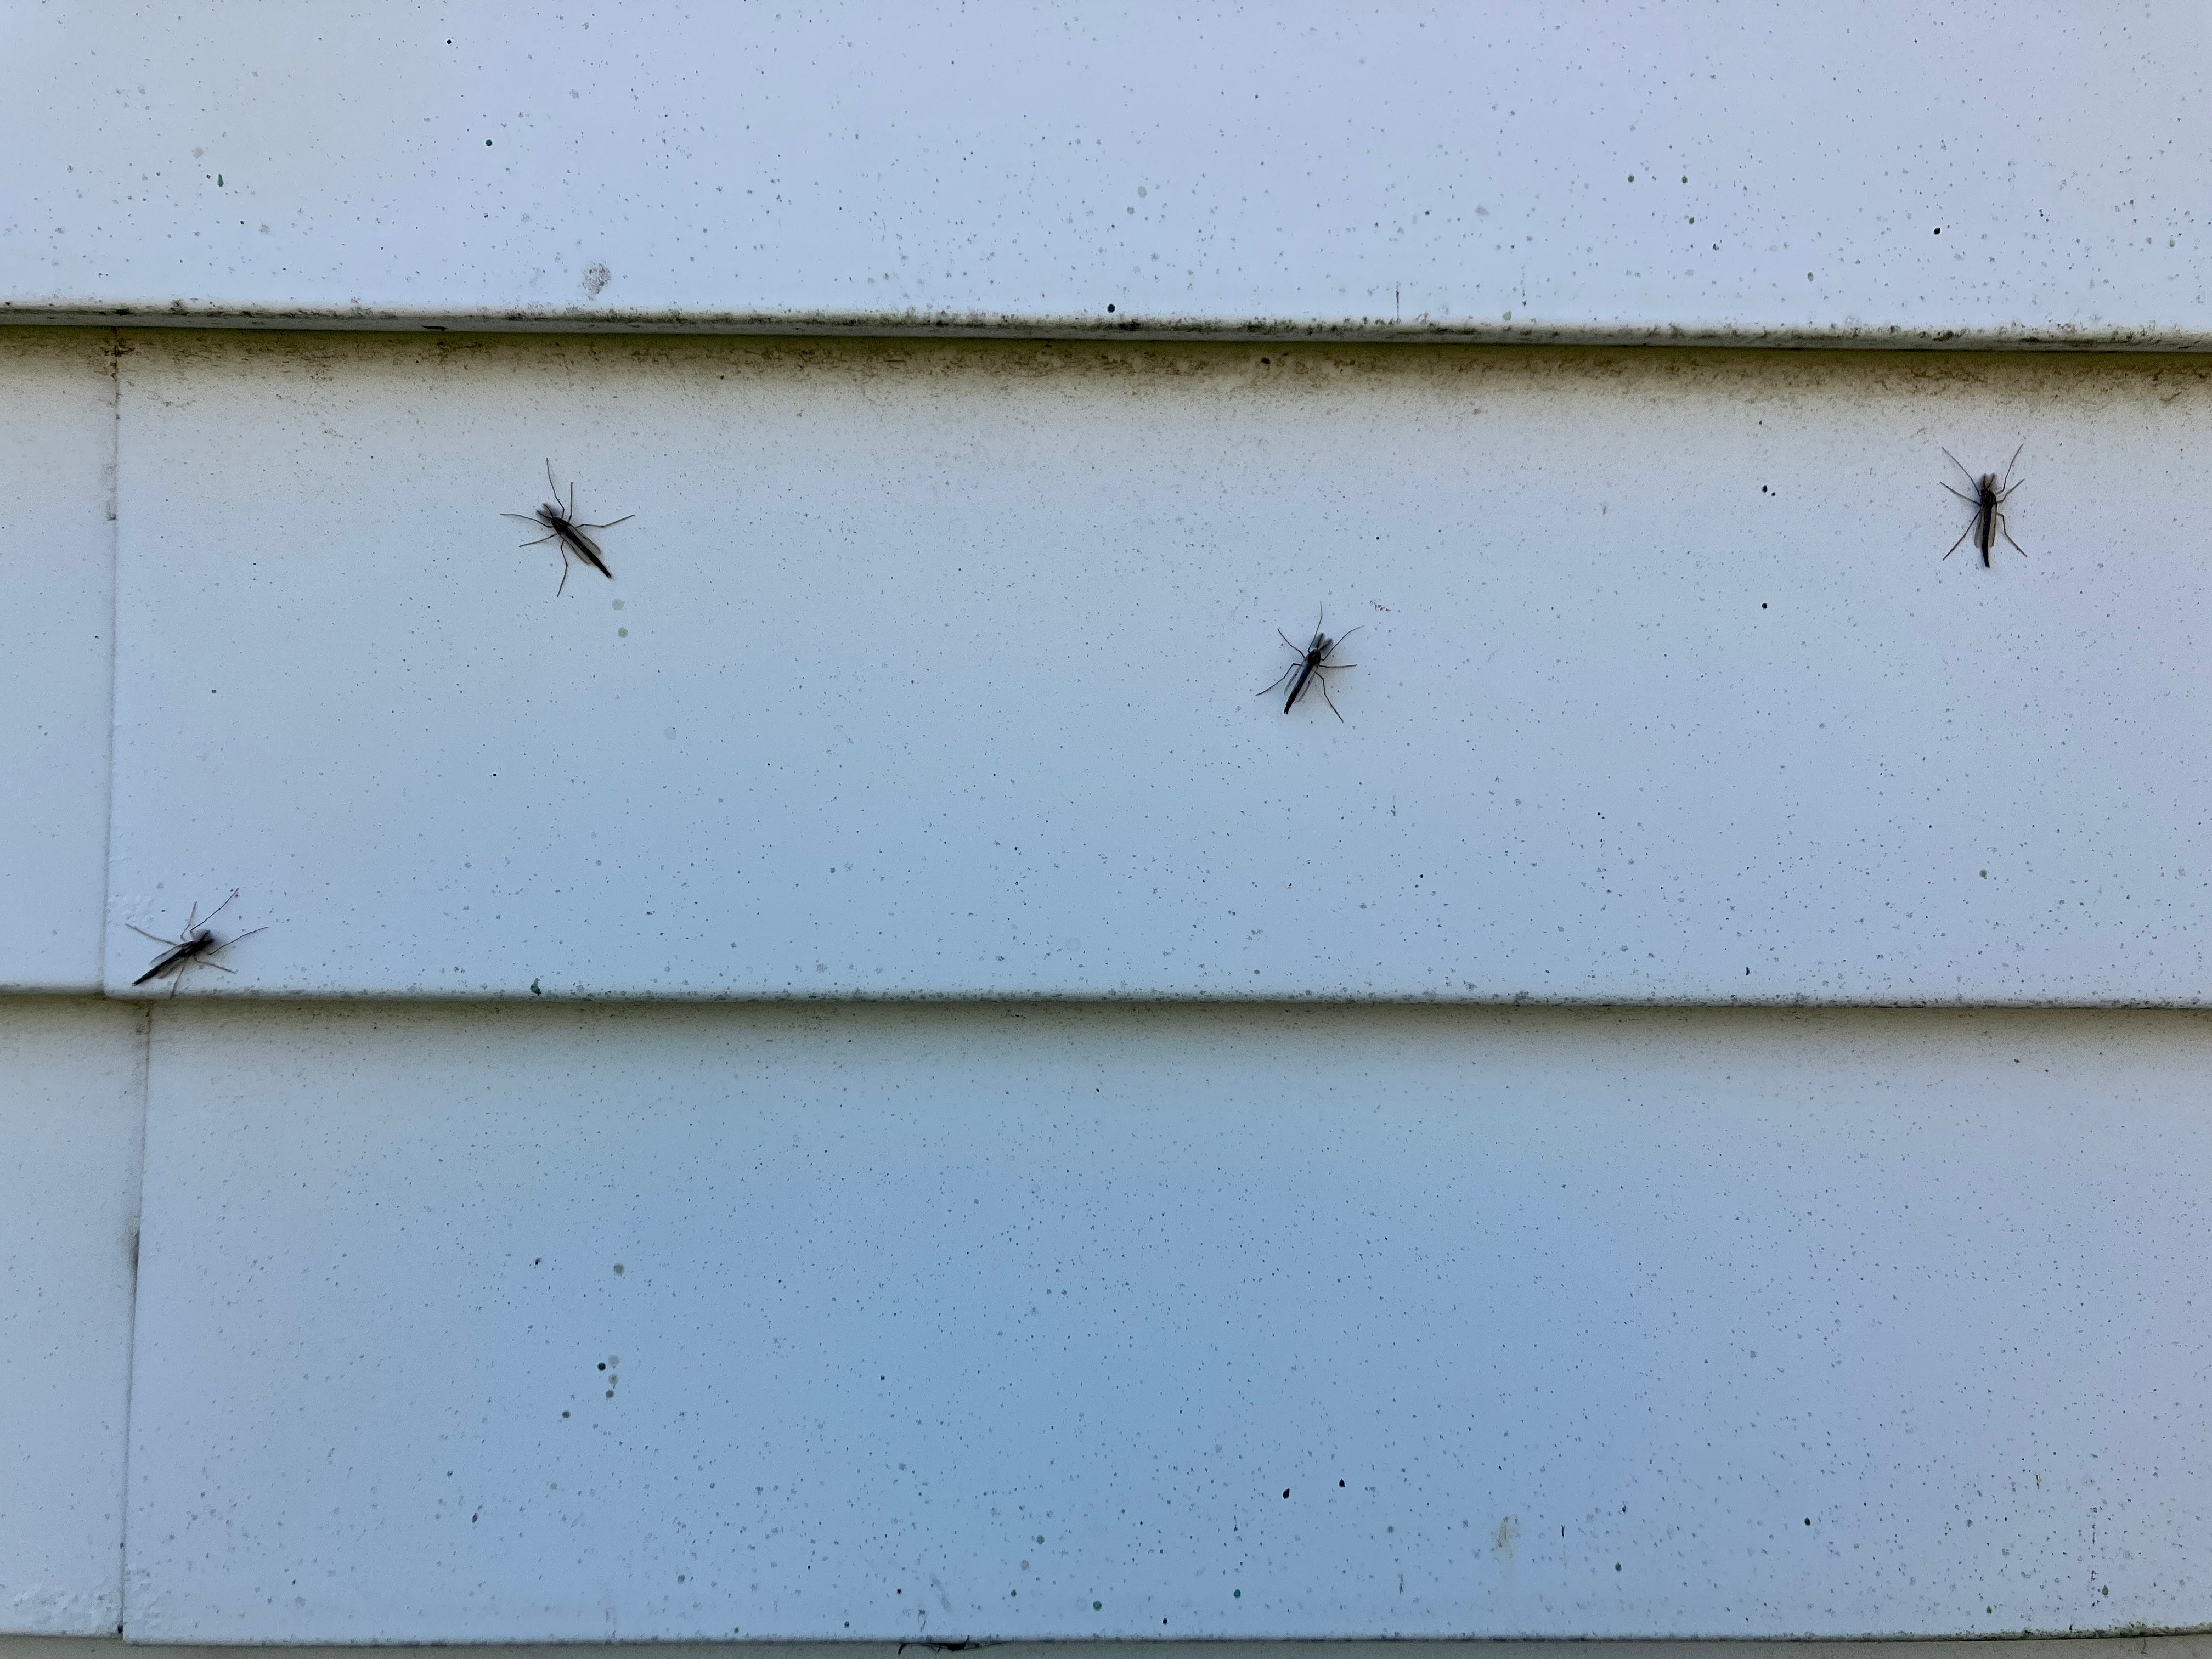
[
  {"x": 1004, "y": 165},
  {"x": 57, "y": 455},
  {"x": 987, "y": 1323},
  {"x": 72, "y": 1104},
  {"x": 934, "y": 673}
]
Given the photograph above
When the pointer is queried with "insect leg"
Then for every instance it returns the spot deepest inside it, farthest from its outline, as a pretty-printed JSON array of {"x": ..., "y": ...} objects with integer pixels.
[
  {"x": 217, "y": 911},
  {"x": 2013, "y": 463},
  {"x": 1970, "y": 478},
  {"x": 609, "y": 523},
  {"x": 563, "y": 588},
  {"x": 1960, "y": 493},
  {"x": 208, "y": 956},
  {"x": 173, "y": 943},
  {"x": 1325, "y": 697},
  {"x": 2007, "y": 528}
]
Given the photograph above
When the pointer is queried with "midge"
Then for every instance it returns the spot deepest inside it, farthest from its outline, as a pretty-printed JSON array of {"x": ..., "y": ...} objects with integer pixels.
[
  {"x": 560, "y": 526},
  {"x": 1312, "y": 660},
  {"x": 197, "y": 944},
  {"x": 1988, "y": 502}
]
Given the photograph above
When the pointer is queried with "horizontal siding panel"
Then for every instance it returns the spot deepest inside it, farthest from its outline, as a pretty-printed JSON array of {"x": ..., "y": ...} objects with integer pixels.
[
  {"x": 930, "y": 672},
  {"x": 1893, "y": 172},
  {"x": 501, "y": 1324}
]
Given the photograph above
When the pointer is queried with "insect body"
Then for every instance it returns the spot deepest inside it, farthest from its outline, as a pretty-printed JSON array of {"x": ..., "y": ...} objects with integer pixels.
[
  {"x": 1988, "y": 502},
  {"x": 197, "y": 944},
  {"x": 560, "y": 526},
  {"x": 1312, "y": 660}
]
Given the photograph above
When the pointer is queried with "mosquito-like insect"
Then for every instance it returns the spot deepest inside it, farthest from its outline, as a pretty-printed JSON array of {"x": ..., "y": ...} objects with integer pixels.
[
  {"x": 1988, "y": 502},
  {"x": 1312, "y": 660},
  {"x": 559, "y": 526},
  {"x": 197, "y": 944}
]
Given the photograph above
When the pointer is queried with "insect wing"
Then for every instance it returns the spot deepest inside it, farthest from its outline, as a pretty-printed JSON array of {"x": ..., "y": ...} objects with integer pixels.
[
  {"x": 586, "y": 550},
  {"x": 166, "y": 965}
]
